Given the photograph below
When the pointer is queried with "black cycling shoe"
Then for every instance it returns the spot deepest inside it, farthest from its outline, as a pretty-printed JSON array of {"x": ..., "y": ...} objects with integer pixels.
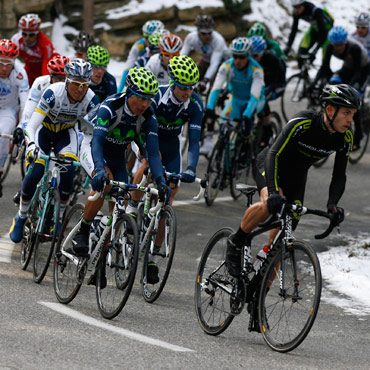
[
  {"x": 152, "y": 273},
  {"x": 81, "y": 244},
  {"x": 233, "y": 259}
]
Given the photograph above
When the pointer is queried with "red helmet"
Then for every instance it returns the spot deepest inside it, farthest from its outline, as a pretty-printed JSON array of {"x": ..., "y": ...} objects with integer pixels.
[
  {"x": 56, "y": 65},
  {"x": 8, "y": 49},
  {"x": 170, "y": 44},
  {"x": 29, "y": 22}
]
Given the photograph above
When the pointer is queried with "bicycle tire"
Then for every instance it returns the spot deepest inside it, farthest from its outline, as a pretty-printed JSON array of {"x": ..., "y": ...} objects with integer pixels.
[
  {"x": 45, "y": 242},
  {"x": 241, "y": 168},
  {"x": 294, "y": 93},
  {"x": 22, "y": 161},
  {"x": 286, "y": 317},
  {"x": 212, "y": 303},
  {"x": 6, "y": 168},
  {"x": 355, "y": 156},
  {"x": 67, "y": 279},
  {"x": 120, "y": 275},
  {"x": 29, "y": 235},
  {"x": 215, "y": 172},
  {"x": 163, "y": 257}
]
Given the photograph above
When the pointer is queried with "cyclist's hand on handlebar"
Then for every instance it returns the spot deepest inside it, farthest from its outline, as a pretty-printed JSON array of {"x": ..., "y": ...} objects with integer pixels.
[
  {"x": 164, "y": 191},
  {"x": 203, "y": 85},
  {"x": 188, "y": 175},
  {"x": 99, "y": 180},
  {"x": 209, "y": 115},
  {"x": 274, "y": 203},
  {"x": 338, "y": 213},
  {"x": 18, "y": 136},
  {"x": 30, "y": 151}
]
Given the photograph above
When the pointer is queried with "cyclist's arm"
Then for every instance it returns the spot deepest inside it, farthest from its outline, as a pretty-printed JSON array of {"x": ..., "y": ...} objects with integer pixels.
[
  {"x": 215, "y": 61},
  {"x": 22, "y": 86},
  {"x": 221, "y": 78},
  {"x": 338, "y": 181},
  {"x": 256, "y": 90},
  {"x": 186, "y": 48},
  {"x": 322, "y": 31},
  {"x": 293, "y": 32},
  {"x": 356, "y": 56},
  {"x": 324, "y": 71},
  {"x": 195, "y": 125}
]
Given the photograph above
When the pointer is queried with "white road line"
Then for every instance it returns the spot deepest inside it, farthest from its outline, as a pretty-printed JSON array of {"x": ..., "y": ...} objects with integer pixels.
[
  {"x": 6, "y": 249},
  {"x": 100, "y": 324},
  {"x": 189, "y": 202}
]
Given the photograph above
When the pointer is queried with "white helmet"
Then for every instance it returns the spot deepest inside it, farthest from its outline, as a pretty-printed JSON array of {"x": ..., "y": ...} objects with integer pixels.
[
  {"x": 363, "y": 19},
  {"x": 170, "y": 44},
  {"x": 152, "y": 26}
]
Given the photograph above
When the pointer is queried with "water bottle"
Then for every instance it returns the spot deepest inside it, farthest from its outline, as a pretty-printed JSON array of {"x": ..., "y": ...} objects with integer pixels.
[{"x": 261, "y": 256}]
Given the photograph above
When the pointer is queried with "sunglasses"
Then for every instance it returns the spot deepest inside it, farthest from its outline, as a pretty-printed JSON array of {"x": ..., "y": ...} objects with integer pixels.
[
  {"x": 362, "y": 27},
  {"x": 237, "y": 56},
  {"x": 29, "y": 34},
  {"x": 77, "y": 84},
  {"x": 10, "y": 63},
  {"x": 168, "y": 55},
  {"x": 142, "y": 97},
  {"x": 256, "y": 55},
  {"x": 205, "y": 33},
  {"x": 184, "y": 87}
]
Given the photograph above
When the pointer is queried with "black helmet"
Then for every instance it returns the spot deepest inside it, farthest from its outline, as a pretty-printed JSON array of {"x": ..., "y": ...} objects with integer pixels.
[
  {"x": 204, "y": 23},
  {"x": 341, "y": 95},
  {"x": 82, "y": 42}
]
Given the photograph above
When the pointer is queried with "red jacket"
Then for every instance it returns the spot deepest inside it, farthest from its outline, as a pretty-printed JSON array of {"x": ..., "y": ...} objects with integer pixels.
[{"x": 36, "y": 57}]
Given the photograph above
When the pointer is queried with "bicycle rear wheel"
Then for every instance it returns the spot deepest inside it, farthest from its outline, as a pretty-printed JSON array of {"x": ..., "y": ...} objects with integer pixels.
[
  {"x": 214, "y": 286},
  {"x": 215, "y": 173},
  {"x": 117, "y": 268},
  {"x": 45, "y": 241},
  {"x": 287, "y": 315},
  {"x": 162, "y": 256},
  {"x": 67, "y": 276},
  {"x": 356, "y": 155},
  {"x": 293, "y": 96}
]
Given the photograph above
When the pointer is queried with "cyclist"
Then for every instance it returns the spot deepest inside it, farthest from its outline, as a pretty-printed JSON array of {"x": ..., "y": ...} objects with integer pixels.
[
  {"x": 13, "y": 95},
  {"x": 320, "y": 21},
  {"x": 282, "y": 169},
  {"x": 362, "y": 33},
  {"x": 150, "y": 50},
  {"x": 139, "y": 47},
  {"x": 274, "y": 78},
  {"x": 53, "y": 125},
  {"x": 81, "y": 43},
  {"x": 354, "y": 71},
  {"x": 258, "y": 29},
  {"x": 169, "y": 46},
  {"x": 244, "y": 79},
  {"x": 121, "y": 119},
  {"x": 175, "y": 105},
  {"x": 34, "y": 46},
  {"x": 56, "y": 74},
  {"x": 102, "y": 82}
]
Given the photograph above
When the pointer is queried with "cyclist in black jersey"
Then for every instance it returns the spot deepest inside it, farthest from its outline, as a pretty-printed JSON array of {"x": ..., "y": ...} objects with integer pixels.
[{"x": 281, "y": 170}]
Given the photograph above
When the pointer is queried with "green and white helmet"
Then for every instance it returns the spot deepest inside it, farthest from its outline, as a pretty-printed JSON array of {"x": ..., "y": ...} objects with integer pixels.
[
  {"x": 98, "y": 56},
  {"x": 142, "y": 81},
  {"x": 183, "y": 70},
  {"x": 258, "y": 29}
]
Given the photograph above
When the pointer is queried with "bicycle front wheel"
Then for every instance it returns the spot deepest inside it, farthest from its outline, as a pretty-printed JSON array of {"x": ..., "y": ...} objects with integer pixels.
[
  {"x": 46, "y": 239},
  {"x": 214, "y": 286},
  {"x": 215, "y": 173},
  {"x": 117, "y": 268},
  {"x": 68, "y": 276},
  {"x": 290, "y": 297},
  {"x": 7, "y": 164},
  {"x": 356, "y": 155},
  {"x": 294, "y": 96},
  {"x": 162, "y": 255}
]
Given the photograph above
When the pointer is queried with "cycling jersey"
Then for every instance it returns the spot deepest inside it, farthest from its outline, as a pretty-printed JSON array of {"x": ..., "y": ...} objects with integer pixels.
[
  {"x": 111, "y": 138},
  {"x": 321, "y": 22},
  {"x": 172, "y": 115},
  {"x": 55, "y": 112},
  {"x": 213, "y": 53},
  {"x": 273, "y": 70},
  {"x": 365, "y": 41},
  {"x": 156, "y": 65},
  {"x": 304, "y": 141},
  {"x": 274, "y": 47},
  {"x": 355, "y": 63},
  {"x": 246, "y": 86},
  {"x": 107, "y": 87},
  {"x": 35, "y": 57},
  {"x": 143, "y": 58}
]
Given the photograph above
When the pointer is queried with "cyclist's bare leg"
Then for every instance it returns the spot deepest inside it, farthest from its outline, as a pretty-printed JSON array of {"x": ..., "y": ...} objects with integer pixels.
[{"x": 136, "y": 195}]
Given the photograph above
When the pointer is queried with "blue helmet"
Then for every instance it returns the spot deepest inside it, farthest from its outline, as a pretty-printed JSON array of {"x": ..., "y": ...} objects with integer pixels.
[
  {"x": 78, "y": 68},
  {"x": 258, "y": 44},
  {"x": 337, "y": 35},
  {"x": 240, "y": 45}
]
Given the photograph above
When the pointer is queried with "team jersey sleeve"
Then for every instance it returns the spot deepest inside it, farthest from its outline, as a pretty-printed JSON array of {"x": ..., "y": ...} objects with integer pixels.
[
  {"x": 186, "y": 48},
  {"x": 256, "y": 91},
  {"x": 33, "y": 98},
  {"x": 22, "y": 86},
  {"x": 195, "y": 123},
  {"x": 215, "y": 61},
  {"x": 218, "y": 85}
]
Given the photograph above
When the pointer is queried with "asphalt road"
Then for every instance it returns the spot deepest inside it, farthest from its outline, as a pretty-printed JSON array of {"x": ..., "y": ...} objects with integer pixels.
[{"x": 38, "y": 333}]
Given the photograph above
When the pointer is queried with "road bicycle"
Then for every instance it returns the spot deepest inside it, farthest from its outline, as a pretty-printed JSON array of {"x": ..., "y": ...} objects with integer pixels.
[
  {"x": 113, "y": 253},
  {"x": 282, "y": 297},
  {"x": 232, "y": 156},
  {"x": 297, "y": 90},
  {"x": 43, "y": 220},
  {"x": 157, "y": 238},
  {"x": 15, "y": 154}
]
